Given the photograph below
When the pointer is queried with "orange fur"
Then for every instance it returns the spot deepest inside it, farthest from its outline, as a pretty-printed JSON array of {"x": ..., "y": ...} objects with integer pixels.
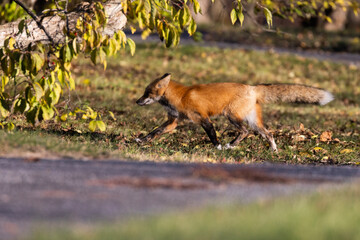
[{"x": 238, "y": 102}]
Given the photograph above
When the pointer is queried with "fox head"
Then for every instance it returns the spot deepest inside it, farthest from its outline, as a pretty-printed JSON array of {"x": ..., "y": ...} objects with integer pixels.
[{"x": 155, "y": 90}]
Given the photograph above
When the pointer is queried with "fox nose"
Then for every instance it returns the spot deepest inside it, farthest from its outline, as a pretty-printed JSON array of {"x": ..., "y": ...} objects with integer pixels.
[{"x": 140, "y": 102}]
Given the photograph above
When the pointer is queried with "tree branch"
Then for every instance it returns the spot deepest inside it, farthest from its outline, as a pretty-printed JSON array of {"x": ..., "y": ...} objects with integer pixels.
[
  {"x": 55, "y": 25},
  {"x": 36, "y": 19}
]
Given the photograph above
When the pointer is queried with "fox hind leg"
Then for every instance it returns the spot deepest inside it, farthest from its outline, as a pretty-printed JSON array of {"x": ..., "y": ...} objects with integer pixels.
[
  {"x": 255, "y": 121},
  {"x": 243, "y": 132}
]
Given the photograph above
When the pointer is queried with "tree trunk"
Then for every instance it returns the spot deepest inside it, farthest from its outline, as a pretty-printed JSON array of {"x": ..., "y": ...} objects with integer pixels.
[{"x": 55, "y": 26}]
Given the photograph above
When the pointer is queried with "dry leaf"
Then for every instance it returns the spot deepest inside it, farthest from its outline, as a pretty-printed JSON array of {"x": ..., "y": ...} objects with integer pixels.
[
  {"x": 319, "y": 149},
  {"x": 299, "y": 138},
  {"x": 346, "y": 151},
  {"x": 326, "y": 136},
  {"x": 301, "y": 127}
]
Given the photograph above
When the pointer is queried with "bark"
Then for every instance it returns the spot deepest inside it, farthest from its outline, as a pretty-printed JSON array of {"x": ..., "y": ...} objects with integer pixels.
[{"x": 55, "y": 25}]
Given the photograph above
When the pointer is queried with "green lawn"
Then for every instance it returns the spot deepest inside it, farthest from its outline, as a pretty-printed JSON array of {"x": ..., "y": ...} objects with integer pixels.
[
  {"x": 322, "y": 216},
  {"x": 117, "y": 88}
]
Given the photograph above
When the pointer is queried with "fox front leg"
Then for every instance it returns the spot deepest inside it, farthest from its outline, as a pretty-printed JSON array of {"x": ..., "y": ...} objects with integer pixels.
[
  {"x": 167, "y": 126},
  {"x": 209, "y": 129}
]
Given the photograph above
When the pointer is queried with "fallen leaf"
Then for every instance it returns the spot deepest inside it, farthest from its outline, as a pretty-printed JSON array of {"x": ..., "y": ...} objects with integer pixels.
[
  {"x": 314, "y": 136},
  {"x": 305, "y": 154},
  {"x": 326, "y": 136},
  {"x": 346, "y": 151},
  {"x": 301, "y": 127},
  {"x": 319, "y": 149},
  {"x": 299, "y": 138}
]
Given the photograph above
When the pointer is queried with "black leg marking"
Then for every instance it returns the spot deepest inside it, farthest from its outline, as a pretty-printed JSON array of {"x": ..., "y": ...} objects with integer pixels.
[
  {"x": 168, "y": 126},
  {"x": 209, "y": 129},
  {"x": 243, "y": 132}
]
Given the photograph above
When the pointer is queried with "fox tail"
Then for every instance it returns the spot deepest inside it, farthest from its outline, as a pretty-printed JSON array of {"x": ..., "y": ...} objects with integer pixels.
[{"x": 292, "y": 93}]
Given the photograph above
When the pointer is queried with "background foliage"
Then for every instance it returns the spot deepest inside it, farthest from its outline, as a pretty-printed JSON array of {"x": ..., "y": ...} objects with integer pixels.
[{"x": 35, "y": 80}]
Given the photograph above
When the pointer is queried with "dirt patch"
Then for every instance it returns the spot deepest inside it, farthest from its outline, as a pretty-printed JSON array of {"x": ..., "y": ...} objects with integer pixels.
[
  {"x": 226, "y": 175},
  {"x": 220, "y": 174},
  {"x": 154, "y": 182}
]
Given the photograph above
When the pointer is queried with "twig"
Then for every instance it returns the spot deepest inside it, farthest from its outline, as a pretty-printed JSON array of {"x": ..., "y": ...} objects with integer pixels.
[
  {"x": 36, "y": 19},
  {"x": 67, "y": 18},
  {"x": 265, "y": 29}
]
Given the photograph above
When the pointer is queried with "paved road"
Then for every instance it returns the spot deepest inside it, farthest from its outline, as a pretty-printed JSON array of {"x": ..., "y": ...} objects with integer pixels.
[
  {"x": 341, "y": 57},
  {"x": 54, "y": 191}
]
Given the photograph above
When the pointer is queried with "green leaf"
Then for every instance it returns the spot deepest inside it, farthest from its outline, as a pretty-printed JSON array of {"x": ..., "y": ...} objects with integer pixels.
[
  {"x": 55, "y": 94},
  {"x": 112, "y": 115},
  {"x": 47, "y": 112},
  {"x": 37, "y": 61},
  {"x": 92, "y": 125},
  {"x": 75, "y": 47},
  {"x": 91, "y": 113},
  {"x": 94, "y": 55},
  {"x": 132, "y": 46},
  {"x": 101, "y": 125},
  {"x": 240, "y": 16},
  {"x": 170, "y": 38},
  {"x": 11, "y": 43},
  {"x": 268, "y": 16},
  {"x": 4, "y": 65},
  {"x": 4, "y": 108},
  {"x": 233, "y": 16},
  {"x": 31, "y": 116},
  {"x": 112, "y": 47},
  {"x": 63, "y": 117},
  {"x": 20, "y": 105},
  {"x": 10, "y": 126},
  {"x": 67, "y": 53},
  {"x": 71, "y": 83},
  {"x": 4, "y": 82},
  {"x": 39, "y": 92},
  {"x": 196, "y": 6},
  {"x": 21, "y": 25},
  {"x": 61, "y": 76},
  {"x": 184, "y": 16},
  {"x": 192, "y": 27}
]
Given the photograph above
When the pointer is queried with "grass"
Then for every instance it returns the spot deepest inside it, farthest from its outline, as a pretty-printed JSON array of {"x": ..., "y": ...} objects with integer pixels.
[
  {"x": 117, "y": 88},
  {"x": 324, "y": 215}
]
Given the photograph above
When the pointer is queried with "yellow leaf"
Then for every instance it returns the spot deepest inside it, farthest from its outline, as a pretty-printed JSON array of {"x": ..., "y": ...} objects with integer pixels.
[
  {"x": 86, "y": 82},
  {"x": 346, "y": 151},
  {"x": 304, "y": 154},
  {"x": 64, "y": 117},
  {"x": 112, "y": 115},
  {"x": 317, "y": 149}
]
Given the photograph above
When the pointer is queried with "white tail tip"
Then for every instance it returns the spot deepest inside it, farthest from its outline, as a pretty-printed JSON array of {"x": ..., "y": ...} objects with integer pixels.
[{"x": 327, "y": 97}]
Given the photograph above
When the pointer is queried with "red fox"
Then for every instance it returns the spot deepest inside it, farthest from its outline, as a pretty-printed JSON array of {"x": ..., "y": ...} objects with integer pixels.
[{"x": 238, "y": 102}]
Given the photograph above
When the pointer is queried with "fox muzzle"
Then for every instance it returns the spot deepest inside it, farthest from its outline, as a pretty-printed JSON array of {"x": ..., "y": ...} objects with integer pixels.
[{"x": 144, "y": 101}]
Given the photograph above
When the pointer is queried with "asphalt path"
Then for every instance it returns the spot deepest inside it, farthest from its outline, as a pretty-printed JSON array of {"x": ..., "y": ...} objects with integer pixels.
[
  {"x": 338, "y": 57},
  {"x": 34, "y": 191}
]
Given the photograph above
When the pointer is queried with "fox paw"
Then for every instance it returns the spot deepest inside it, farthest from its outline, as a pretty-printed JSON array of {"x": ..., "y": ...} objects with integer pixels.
[
  {"x": 138, "y": 140},
  {"x": 228, "y": 146},
  {"x": 218, "y": 147}
]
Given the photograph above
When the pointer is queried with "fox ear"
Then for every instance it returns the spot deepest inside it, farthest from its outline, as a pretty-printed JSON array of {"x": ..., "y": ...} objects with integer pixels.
[{"x": 164, "y": 81}]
